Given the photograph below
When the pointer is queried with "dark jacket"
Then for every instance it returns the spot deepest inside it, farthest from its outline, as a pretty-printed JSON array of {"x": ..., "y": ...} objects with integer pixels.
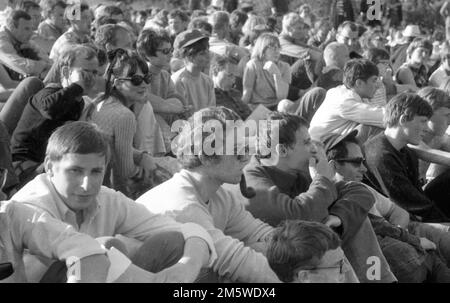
[
  {"x": 47, "y": 110},
  {"x": 299, "y": 197},
  {"x": 400, "y": 173}
]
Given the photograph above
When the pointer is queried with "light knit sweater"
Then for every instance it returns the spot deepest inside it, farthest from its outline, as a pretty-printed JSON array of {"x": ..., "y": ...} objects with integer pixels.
[{"x": 119, "y": 123}]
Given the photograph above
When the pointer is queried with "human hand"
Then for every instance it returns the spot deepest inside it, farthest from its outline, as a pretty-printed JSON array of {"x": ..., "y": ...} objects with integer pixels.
[
  {"x": 318, "y": 164},
  {"x": 427, "y": 244},
  {"x": 84, "y": 79},
  {"x": 333, "y": 221},
  {"x": 148, "y": 165},
  {"x": 272, "y": 68}
]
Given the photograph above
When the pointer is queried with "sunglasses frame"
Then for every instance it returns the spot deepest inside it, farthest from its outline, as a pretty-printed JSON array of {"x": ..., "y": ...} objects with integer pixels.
[{"x": 133, "y": 79}]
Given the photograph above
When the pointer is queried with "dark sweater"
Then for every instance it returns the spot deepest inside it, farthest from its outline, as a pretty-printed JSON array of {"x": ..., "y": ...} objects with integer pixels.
[
  {"x": 299, "y": 197},
  {"x": 47, "y": 110},
  {"x": 400, "y": 173}
]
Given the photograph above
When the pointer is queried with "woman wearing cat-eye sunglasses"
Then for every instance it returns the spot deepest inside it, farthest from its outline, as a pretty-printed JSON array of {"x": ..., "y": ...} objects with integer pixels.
[{"x": 127, "y": 79}]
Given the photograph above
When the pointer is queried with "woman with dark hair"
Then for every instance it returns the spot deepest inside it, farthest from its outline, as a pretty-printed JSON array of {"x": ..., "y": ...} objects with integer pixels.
[{"x": 127, "y": 78}]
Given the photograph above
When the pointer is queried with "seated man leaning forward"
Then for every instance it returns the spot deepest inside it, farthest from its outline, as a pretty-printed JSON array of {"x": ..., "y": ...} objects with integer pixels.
[
  {"x": 347, "y": 107},
  {"x": 24, "y": 228},
  {"x": 195, "y": 194},
  {"x": 306, "y": 252},
  {"x": 295, "y": 181},
  {"x": 71, "y": 191},
  {"x": 52, "y": 107}
]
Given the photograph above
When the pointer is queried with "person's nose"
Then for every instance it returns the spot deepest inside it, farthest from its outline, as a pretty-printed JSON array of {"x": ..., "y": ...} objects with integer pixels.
[
  {"x": 363, "y": 168},
  {"x": 85, "y": 183}
]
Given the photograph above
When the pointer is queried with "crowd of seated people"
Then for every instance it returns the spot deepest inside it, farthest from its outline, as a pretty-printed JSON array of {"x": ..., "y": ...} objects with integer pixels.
[{"x": 218, "y": 142}]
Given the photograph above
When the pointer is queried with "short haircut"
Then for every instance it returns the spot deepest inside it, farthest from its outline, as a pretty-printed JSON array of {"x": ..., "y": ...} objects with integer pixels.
[
  {"x": 186, "y": 152},
  {"x": 108, "y": 34},
  {"x": 407, "y": 104},
  {"x": 297, "y": 244},
  {"x": 288, "y": 125},
  {"x": 358, "y": 69},
  {"x": 436, "y": 97},
  {"x": 180, "y": 14},
  {"x": 194, "y": 49},
  {"x": 290, "y": 20},
  {"x": 347, "y": 24},
  {"x": 419, "y": 42},
  {"x": 238, "y": 17},
  {"x": 49, "y": 5},
  {"x": 77, "y": 138},
  {"x": 263, "y": 42},
  {"x": 29, "y": 5},
  {"x": 374, "y": 55},
  {"x": 15, "y": 16},
  {"x": 340, "y": 151},
  {"x": 218, "y": 64},
  {"x": 220, "y": 20},
  {"x": 200, "y": 23},
  {"x": 150, "y": 40},
  {"x": 69, "y": 56},
  {"x": 111, "y": 10},
  {"x": 332, "y": 52}
]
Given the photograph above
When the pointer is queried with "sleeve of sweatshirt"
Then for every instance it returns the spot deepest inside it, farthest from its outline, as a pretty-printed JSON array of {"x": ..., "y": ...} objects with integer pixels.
[
  {"x": 136, "y": 221},
  {"x": 47, "y": 237},
  {"x": 59, "y": 102},
  {"x": 310, "y": 205},
  {"x": 352, "y": 207},
  {"x": 399, "y": 187},
  {"x": 361, "y": 113},
  {"x": 234, "y": 259}
]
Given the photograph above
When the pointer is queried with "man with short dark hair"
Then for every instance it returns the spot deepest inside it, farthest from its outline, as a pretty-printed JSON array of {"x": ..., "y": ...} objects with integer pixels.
[
  {"x": 17, "y": 54},
  {"x": 348, "y": 34},
  {"x": 178, "y": 22},
  {"x": 306, "y": 252},
  {"x": 71, "y": 190},
  {"x": 406, "y": 119},
  {"x": 346, "y": 107}
]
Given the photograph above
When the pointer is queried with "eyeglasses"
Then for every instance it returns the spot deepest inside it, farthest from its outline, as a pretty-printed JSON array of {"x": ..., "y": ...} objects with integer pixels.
[
  {"x": 166, "y": 51},
  {"x": 137, "y": 80},
  {"x": 355, "y": 161}
]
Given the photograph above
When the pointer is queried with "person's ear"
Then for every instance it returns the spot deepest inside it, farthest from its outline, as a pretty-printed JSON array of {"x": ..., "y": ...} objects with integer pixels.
[
  {"x": 333, "y": 164},
  {"x": 281, "y": 150},
  {"x": 302, "y": 276},
  {"x": 403, "y": 119},
  {"x": 48, "y": 165},
  {"x": 65, "y": 72},
  {"x": 117, "y": 82},
  {"x": 358, "y": 83}
]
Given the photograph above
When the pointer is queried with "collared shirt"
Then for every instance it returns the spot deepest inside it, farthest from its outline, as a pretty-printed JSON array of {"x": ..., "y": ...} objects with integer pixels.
[
  {"x": 24, "y": 227},
  {"x": 342, "y": 111},
  {"x": 10, "y": 57},
  {"x": 112, "y": 214}
]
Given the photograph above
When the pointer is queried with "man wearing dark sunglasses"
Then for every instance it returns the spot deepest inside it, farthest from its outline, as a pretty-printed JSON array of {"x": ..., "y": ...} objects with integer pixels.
[{"x": 406, "y": 245}]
